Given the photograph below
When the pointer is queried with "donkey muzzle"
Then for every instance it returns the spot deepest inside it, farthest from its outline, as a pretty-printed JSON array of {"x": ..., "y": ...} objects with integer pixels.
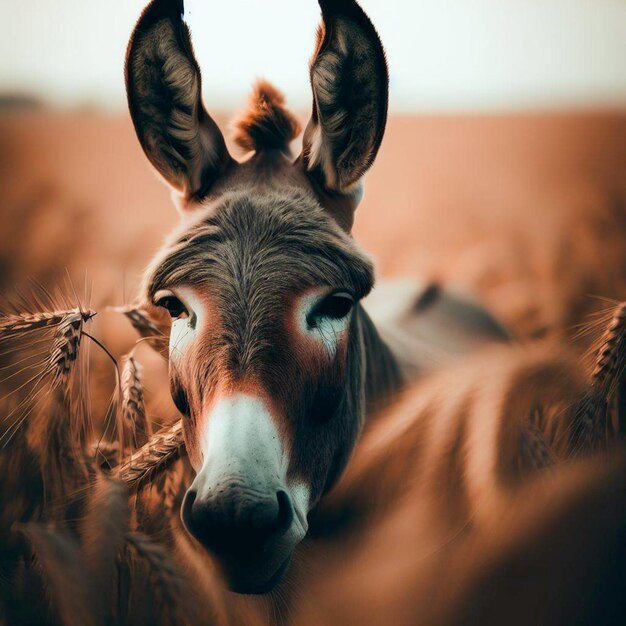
[
  {"x": 244, "y": 530},
  {"x": 239, "y": 506}
]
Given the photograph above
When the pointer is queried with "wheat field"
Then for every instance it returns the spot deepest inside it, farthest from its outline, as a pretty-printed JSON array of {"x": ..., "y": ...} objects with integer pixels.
[{"x": 92, "y": 459}]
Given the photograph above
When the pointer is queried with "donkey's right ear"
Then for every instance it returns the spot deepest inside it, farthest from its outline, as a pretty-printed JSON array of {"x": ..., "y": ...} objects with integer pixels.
[{"x": 163, "y": 86}]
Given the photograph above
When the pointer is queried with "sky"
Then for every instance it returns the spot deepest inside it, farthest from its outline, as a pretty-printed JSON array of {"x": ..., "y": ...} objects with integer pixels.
[{"x": 444, "y": 55}]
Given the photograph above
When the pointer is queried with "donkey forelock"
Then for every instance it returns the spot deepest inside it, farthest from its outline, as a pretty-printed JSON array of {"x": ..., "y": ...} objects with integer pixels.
[{"x": 275, "y": 242}]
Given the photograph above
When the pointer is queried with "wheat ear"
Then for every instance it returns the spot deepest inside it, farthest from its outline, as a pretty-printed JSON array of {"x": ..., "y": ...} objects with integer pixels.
[
  {"x": 16, "y": 324},
  {"x": 65, "y": 346},
  {"x": 611, "y": 355},
  {"x": 592, "y": 414},
  {"x": 162, "y": 449},
  {"x": 140, "y": 320},
  {"x": 134, "y": 427}
]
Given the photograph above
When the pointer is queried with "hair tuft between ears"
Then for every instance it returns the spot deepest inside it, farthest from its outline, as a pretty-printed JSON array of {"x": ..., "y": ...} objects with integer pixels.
[{"x": 266, "y": 124}]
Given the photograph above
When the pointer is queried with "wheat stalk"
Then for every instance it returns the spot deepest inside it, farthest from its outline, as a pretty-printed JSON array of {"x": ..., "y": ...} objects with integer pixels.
[
  {"x": 171, "y": 486},
  {"x": 23, "y": 322},
  {"x": 134, "y": 426},
  {"x": 534, "y": 452},
  {"x": 55, "y": 438},
  {"x": 62, "y": 328},
  {"x": 67, "y": 425},
  {"x": 161, "y": 450}
]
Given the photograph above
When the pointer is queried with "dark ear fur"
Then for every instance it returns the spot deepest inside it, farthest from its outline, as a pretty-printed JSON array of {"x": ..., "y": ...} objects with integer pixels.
[
  {"x": 163, "y": 86},
  {"x": 349, "y": 80}
]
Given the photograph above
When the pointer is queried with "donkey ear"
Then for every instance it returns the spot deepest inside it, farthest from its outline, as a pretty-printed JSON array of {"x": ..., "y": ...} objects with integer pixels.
[
  {"x": 163, "y": 86},
  {"x": 350, "y": 83}
]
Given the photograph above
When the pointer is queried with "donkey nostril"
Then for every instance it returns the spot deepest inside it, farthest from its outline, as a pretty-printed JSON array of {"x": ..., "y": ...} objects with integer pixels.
[
  {"x": 285, "y": 511},
  {"x": 186, "y": 511},
  {"x": 264, "y": 516},
  {"x": 237, "y": 522},
  {"x": 272, "y": 516}
]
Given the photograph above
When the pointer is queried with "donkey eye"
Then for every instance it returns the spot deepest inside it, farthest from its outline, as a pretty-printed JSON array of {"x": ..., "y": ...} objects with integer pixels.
[
  {"x": 336, "y": 306},
  {"x": 172, "y": 305}
]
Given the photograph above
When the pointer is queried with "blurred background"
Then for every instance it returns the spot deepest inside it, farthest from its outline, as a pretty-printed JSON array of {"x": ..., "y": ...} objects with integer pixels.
[
  {"x": 460, "y": 55},
  {"x": 503, "y": 170}
]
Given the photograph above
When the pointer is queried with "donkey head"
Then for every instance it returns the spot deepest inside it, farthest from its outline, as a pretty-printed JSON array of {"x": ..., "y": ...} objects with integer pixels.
[{"x": 262, "y": 281}]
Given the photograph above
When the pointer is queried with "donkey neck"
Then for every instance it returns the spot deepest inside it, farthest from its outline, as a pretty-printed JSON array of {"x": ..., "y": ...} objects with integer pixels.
[
  {"x": 383, "y": 378},
  {"x": 373, "y": 379}
]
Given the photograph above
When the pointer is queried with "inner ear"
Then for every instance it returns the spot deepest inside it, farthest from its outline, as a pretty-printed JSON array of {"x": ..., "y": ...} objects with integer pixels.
[
  {"x": 164, "y": 89},
  {"x": 349, "y": 80}
]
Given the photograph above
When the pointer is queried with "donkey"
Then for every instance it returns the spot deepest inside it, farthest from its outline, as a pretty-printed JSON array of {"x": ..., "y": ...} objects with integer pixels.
[{"x": 273, "y": 362}]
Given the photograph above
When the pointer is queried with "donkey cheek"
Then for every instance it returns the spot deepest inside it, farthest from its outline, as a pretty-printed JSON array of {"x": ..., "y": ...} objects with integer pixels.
[
  {"x": 317, "y": 360},
  {"x": 191, "y": 444},
  {"x": 326, "y": 402},
  {"x": 182, "y": 335},
  {"x": 180, "y": 399}
]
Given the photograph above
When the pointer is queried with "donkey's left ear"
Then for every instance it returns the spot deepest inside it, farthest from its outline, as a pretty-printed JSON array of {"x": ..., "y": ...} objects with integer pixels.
[
  {"x": 163, "y": 86},
  {"x": 350, "y": 86}
]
